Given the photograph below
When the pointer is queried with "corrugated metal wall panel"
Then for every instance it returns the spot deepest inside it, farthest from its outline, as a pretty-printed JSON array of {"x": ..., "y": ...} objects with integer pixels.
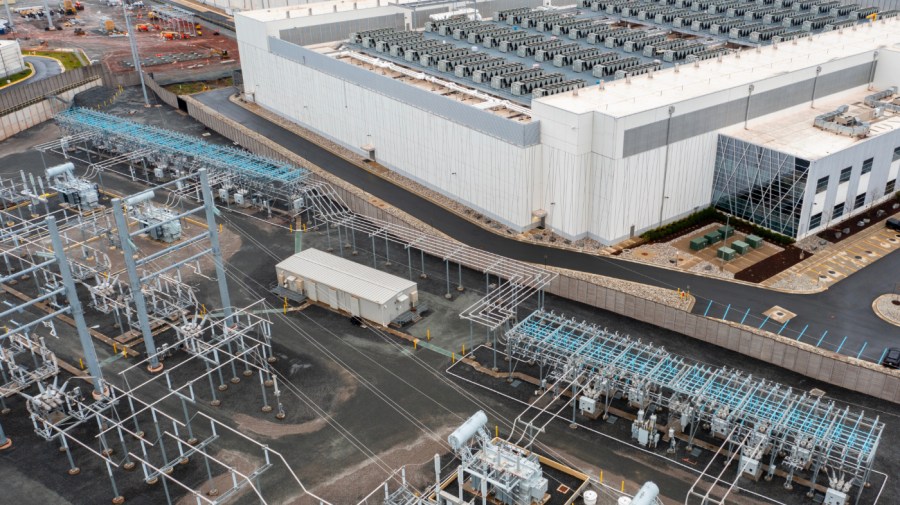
[{"x": 485, "y": 122}]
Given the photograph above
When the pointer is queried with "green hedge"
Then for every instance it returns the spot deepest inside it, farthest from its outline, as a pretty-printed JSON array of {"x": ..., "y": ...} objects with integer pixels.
[{"x": 711, "y": 214}]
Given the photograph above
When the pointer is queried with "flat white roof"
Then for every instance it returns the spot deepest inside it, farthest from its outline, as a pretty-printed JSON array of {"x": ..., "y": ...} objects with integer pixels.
[
  {"x": 317, "y": 8},
  {"x": 667, "y": 86},
  {"x": 792, "y": 131},
  {"x": 344, "y": 275}
]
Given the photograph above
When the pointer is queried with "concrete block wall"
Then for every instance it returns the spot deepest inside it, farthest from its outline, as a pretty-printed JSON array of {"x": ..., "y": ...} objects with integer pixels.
[
  {"x": 165, "y": 95},
  {"x": 842, "y": 371},
  {"x": 835, "y": 369},
  {"x": 37, "y": 113}
]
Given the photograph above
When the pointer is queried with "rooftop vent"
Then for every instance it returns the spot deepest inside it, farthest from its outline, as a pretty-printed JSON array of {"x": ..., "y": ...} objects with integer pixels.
[
  {"x": 838, "y": 121},
  {"x": 877, "y": 100}
]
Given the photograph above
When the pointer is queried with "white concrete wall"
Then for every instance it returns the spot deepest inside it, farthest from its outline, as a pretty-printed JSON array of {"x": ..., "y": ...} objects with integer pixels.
[
  {"x": 881, "y": 149},
  {"x": 887, "y": 73},
  {"x": 11, "y": 61},
  {"x": 591, "y": 189},
  {"x": 487, "y": 174}
]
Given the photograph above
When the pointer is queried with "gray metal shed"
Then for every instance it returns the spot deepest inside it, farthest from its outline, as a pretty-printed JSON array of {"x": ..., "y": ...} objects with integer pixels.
[{"x": 347, "y": 286}]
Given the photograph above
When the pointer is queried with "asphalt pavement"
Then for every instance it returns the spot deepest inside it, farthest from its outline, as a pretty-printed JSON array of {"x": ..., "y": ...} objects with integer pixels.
[
  {"x": 840, "y": 318},
  {"x": 43, "y": 67}
]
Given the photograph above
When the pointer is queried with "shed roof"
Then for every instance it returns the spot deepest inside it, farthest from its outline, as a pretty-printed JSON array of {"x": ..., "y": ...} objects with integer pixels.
[{"x": 345, "y": 275}]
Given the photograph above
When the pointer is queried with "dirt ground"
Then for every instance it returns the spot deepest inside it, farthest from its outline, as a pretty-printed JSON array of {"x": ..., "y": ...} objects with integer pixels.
[{"x": 113, "y": 51}]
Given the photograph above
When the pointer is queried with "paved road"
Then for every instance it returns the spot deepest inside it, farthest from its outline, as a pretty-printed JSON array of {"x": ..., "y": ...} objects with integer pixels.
[
  {"x": 43, "y": 67},
  {"x": 843, "y": 310}
]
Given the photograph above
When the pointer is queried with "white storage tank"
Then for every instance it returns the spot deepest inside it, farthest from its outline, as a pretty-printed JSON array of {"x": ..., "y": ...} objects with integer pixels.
[
  {"x": 347, "y": 286},
  {"x": 11, "y": 61}
]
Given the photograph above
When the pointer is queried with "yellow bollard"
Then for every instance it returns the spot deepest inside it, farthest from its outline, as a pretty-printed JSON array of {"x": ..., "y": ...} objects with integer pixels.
[
  {"x": 220, "y": 227},
  {"x": 453, "y": 358},
  {"x": 115, "y": 350},
  {"x": 124, "y": 351},
  {"x": 623, "y": 486},
  {"x": 496, "y": 431},
  {"x": 463, "y": 350},
  {"x": 291, "y": 227},
  {"x": 81, "y": 362},
  {"x": 601, "y": 476},
  {"x": 285, "y": 305},
  {"x": 428, "y": 334},
  {"x": 415, "y": 344},
  {"x": 304, "y": 227}
]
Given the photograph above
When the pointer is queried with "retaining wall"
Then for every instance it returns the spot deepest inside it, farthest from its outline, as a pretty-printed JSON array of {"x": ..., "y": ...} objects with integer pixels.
[
  {"x": 819, "y": 364},
  {"x": 22, "y": 118},
  {"x": 165, "y": 95},
  {"x": 31, "y": 92}
]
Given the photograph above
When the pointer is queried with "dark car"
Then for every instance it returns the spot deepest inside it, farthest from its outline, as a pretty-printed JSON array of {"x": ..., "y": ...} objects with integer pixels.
[
  {"x": 893, "y": 223},
  {"x": 892, "y": 358}
]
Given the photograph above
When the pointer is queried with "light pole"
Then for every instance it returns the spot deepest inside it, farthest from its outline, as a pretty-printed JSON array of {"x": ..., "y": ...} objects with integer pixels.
[
  {"x": 9, "y": 18},
  {"x": 134, "y": 54}
]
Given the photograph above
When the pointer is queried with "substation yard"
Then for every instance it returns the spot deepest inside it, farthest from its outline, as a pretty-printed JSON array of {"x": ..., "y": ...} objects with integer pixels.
[{"x": 357, "y": 403}]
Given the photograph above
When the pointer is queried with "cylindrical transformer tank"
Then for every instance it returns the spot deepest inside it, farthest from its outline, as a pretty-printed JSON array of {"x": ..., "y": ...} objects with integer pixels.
[
  {"x": 60, "y": 169},
  {"x": 646, "y": 495},
  {"x": 590, "y": 497},
  {"x": 464, "y": 433}
]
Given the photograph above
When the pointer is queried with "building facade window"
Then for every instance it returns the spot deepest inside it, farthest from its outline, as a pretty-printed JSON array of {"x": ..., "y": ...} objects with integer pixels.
[
  {"x": 860, "y": 201},
  {"x": 822, "y": 185},
  {"x": 867, "y": 165},
  {"x": 838, "y": 211},
  {"x": 889, "y": 187},
  {"x": 896, "y": 154},
  {"x": 815, "y": 221},
  {"x": 760, "y": 185},
  {"x": 845, "y": 174}
]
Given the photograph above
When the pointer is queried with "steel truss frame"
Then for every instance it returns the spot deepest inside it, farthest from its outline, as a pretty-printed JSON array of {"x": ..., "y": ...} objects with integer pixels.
[
  {"x": 812, "y": 432},
  {"x": 518, "y": 280},
  {"x": 152, "y": 288},
  {"x": 130, "y": 141},
  {"x": 59, "y": 291}
]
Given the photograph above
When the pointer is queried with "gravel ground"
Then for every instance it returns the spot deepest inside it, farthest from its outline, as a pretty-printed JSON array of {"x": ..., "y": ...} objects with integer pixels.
[
  {"x": 813, "y": 244},
  {"x": 887, "y": 309},
  {"x": 796, "y": 282},
  {"x": 661, "y": 253}
]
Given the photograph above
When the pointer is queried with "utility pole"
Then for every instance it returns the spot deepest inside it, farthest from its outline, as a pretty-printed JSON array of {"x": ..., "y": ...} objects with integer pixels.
[
  {"x": 8, "y": 15},
  {"x": 134, "y": 54},
  {"x": 46, "y": 11}
]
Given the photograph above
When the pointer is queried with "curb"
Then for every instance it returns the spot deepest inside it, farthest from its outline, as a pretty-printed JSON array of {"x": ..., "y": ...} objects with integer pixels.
[
  {"x": 882, "y": 315},
  {"x": 20, "y": 81}
]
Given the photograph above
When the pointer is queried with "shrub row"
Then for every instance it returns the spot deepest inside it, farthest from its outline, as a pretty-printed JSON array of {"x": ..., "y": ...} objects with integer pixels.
[{"x": 710, "y": 214}]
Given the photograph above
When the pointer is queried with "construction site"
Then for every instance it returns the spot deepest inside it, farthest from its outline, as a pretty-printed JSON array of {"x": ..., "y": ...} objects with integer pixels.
[{"x": 209, "y": 298}]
